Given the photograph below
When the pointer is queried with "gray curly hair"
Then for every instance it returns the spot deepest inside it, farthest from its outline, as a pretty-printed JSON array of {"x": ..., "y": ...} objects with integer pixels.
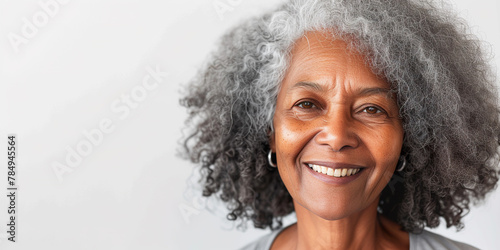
[{"x": 445, "y": 90}]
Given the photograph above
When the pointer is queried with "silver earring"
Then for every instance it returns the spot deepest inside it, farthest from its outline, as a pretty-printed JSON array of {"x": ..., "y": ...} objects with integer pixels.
[
  {"x": 270, "y": 160},
  {"x": 401, "y": 163}
]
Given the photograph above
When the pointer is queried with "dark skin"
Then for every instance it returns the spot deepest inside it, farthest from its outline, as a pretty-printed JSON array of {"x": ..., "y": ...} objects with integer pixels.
[{"x": 337, "y": 137}]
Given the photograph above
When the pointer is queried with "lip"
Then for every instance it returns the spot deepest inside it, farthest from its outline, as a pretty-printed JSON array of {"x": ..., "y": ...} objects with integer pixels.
[{"x": 331, "y": 179}]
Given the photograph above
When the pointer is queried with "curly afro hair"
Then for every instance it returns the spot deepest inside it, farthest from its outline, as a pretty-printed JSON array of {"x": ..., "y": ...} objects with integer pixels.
[{"x": 439, "y": 71}]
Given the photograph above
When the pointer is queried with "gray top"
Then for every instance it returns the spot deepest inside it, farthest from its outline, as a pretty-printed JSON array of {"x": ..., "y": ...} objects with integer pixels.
[{"x": 426, "y": 240}]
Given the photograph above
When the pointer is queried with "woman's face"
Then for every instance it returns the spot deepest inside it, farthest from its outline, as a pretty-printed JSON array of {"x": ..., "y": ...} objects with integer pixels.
[{"x": 335, "y": 116}]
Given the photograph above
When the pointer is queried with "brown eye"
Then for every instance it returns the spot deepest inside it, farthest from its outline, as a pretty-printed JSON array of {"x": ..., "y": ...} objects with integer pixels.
[
  {"x": 372, "y": 110},
  {"x": 306, "y": 105}
]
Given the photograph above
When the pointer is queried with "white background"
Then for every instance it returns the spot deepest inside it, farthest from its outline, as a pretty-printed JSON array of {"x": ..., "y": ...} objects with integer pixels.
[{"x": 131, "y": 191}]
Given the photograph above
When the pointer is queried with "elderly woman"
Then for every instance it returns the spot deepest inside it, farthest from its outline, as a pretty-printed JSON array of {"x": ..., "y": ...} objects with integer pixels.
[{"x": 369, "y": 119}]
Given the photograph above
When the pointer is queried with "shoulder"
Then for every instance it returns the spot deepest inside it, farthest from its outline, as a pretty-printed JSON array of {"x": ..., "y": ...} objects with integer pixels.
[
  {"x": 262, "y": 243},
  {"x": 429, "y": 240}
]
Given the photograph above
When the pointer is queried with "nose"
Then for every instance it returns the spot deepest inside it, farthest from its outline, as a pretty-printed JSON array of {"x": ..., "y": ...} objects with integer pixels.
[{"x": 337, "y": 131}]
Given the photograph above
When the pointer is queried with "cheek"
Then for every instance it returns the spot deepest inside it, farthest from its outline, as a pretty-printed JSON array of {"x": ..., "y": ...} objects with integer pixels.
[
  {"x": 385, "y": 148},
  {"x": 386, "y": 145},
  {"x": 291, "y": 136}
]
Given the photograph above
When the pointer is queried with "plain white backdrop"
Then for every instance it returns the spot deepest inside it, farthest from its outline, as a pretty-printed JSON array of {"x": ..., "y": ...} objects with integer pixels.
[{"x": 91, "y": 89}]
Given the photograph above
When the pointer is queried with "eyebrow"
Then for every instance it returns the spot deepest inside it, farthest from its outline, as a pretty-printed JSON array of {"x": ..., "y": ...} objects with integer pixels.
[
  {"x": 378, "y": 91},
  {"x": 364, "y": 92},
  {"x": 307, "y": 85}
]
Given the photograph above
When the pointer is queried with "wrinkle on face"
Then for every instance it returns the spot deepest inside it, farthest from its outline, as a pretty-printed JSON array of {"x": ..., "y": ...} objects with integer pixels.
[{"x": 337, "y": 128}]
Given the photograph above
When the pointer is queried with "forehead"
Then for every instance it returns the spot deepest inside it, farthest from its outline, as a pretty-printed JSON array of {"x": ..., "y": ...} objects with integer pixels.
[
  {"x": 319, "y": 57},
  {"x": 322, "y": 44}
]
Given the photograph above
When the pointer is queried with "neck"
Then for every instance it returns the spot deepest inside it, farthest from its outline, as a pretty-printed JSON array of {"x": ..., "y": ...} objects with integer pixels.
[{"x": 362, "y": 230}]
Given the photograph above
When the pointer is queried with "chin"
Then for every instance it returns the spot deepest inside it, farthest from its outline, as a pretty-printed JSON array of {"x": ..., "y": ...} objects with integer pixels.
[{"x": 332, "y": 210}]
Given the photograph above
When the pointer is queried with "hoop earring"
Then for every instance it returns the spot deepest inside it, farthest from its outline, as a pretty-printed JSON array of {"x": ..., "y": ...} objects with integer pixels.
[
  {"x": 270, "y": 159},
  {"x": 401, "y": 163}
]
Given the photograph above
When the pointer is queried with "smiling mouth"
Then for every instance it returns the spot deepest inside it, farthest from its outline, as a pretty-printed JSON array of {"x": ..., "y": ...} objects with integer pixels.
[{"x": 338, "y": 172}]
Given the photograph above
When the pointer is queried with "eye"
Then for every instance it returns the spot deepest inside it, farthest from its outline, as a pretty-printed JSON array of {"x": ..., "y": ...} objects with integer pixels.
[
  {"x": 306, "y": 105},
  {"x": 372, "y": 110}
]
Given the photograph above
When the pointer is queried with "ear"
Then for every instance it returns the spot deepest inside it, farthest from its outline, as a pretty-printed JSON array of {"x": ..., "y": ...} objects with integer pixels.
[{"x": 272, "y": 141}]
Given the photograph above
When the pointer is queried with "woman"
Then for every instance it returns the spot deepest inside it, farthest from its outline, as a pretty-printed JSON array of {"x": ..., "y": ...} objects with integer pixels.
[{"x": 369, "y": 119}]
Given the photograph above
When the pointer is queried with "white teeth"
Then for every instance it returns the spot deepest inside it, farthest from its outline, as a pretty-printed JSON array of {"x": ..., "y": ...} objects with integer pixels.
[
  {"x": 338, "y": 172},
  {"x": 330, "y": 172},
  {"x": 349, "y": 172}
]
